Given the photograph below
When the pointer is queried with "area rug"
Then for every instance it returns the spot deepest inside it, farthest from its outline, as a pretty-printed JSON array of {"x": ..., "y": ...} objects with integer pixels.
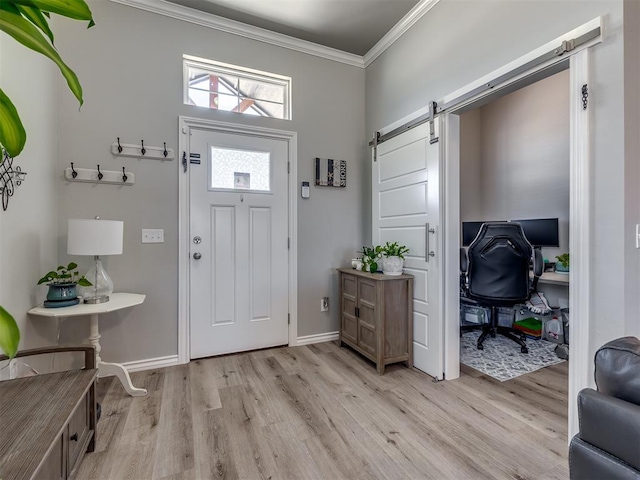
[{"x": 501, "y": 357}]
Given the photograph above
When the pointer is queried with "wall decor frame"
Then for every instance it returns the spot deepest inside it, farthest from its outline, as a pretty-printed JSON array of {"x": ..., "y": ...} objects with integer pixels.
[{"x": 330, "y": 172}]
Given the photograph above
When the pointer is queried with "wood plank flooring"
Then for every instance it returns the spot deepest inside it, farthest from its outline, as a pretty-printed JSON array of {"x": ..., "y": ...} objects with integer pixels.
[{"x": 322, "y": 412}]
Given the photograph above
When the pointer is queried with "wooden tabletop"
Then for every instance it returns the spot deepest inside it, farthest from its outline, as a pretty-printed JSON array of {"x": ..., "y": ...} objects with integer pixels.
[
  {"x": 117, "y": 301},
  {"x": 373, "y": 276},
  {"x": 33, "y": 413}
]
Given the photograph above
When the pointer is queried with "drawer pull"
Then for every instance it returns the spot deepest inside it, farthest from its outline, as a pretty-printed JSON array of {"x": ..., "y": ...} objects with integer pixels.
[{"x": 74, "y": 437}]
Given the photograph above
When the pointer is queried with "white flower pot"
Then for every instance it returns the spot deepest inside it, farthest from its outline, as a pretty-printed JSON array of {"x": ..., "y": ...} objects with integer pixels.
[{"x": 392, "y": 265}]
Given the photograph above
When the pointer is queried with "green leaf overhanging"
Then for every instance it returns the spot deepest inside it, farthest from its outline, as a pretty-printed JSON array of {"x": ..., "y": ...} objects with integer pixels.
[
  {"x": 9, "y": 334},
  {"x": 36, "y": 17},
  {"x": 24, "y": 32},
  {"x": 75, "y": 9},
  {"x": 12, "y": 133}
]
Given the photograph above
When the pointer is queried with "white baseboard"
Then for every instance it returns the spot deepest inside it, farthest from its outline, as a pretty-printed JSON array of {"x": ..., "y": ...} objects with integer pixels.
[
  {"x": 151, "y": 363},
  {"x": 318, "y": 338}
]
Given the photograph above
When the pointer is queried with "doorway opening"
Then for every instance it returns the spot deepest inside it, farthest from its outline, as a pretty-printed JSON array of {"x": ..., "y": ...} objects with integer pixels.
[{"x": 515, "y": 166}]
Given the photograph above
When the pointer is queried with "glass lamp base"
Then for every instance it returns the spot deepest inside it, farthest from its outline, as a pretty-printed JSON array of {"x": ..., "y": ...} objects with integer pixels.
[{"x": 96, "y": 300}]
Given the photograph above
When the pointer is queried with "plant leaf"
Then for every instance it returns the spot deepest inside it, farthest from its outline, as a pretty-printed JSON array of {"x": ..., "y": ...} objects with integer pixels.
[
  {"x": 35, "y": 16},
  {"x": 72, "y": 266},
  {"x": 9, "y": 334},
  {"x": 12, "y": 133},
  {"x": 83, "y": 282},
  {"x": 75, "y": 9},
  {"x": 24, "y": 32}
]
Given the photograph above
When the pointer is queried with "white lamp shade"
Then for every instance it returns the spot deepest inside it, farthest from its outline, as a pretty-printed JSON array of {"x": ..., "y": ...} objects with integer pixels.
[{"x": 95, "y": 237}]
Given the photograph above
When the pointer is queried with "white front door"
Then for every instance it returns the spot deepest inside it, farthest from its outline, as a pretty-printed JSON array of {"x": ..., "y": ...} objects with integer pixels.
[
  {"x": 238, "y": 283},
  {"x": 406, "y": 209}
]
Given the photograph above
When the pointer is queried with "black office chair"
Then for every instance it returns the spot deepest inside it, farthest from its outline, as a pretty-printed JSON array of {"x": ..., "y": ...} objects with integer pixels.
[{"x": 495, "y": 273}]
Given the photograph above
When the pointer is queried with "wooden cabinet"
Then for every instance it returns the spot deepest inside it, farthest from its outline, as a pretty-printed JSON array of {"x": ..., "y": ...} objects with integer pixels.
[
  {"x": 48, "y": 421},
  {"x": 376, "y": 316}
]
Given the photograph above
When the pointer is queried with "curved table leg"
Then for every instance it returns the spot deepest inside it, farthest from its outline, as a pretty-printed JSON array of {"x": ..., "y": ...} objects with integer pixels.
[{"x": 106, "y": 368}]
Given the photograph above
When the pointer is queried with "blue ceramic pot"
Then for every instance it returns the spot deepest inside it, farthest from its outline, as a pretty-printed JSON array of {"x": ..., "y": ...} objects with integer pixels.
[{"x": 60, "y": 292}]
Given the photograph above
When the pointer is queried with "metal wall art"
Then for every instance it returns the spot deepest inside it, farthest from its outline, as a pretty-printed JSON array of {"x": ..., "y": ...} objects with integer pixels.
[
  {"x": 331, "y": 173},
  {"x": 10, "y": 178}
]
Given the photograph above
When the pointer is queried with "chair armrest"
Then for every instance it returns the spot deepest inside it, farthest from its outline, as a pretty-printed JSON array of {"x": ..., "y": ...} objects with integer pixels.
[
  {"x": 464, "y": 261},
  {"x": 611, "y": 424},
  {"x": 538, "y": 263},
  {"x": 89, "y": 353}
]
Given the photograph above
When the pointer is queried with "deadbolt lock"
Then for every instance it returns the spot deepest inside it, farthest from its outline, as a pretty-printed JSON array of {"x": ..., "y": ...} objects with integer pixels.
[{"x": 197, "y": 240}]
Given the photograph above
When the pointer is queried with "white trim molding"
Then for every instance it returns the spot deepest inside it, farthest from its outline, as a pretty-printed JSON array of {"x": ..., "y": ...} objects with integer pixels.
[
  {"x": 580, "y": 211},
  {"x": 151, "y": 363},
  {"x": 186, "y": 14},
  {"x": 399, "y": 29},
  {"x": 318, "y": 338},
  {"x": 185, "y": 126}
]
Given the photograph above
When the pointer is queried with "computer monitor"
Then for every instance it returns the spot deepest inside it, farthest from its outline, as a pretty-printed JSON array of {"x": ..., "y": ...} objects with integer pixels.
[
  {"x": 541, "y": 232},
  {"x": 470, "y": 232}
]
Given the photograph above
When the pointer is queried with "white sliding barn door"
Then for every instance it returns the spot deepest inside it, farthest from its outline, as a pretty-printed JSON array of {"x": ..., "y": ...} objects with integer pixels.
[{"x": 406, "y": 209}]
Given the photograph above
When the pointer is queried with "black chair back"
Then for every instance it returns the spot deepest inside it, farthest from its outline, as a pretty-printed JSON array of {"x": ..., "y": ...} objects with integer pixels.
[{"x": 498, "y": 271}]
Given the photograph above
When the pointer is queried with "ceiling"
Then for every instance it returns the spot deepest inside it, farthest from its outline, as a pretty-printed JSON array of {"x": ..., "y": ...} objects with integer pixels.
[{"x": 353, "y": 26}]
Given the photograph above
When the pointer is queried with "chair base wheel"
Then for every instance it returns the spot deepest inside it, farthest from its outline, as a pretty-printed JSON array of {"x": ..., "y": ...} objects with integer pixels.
[
  {"x": 524, "y": 349},
  {"x": 480, "y": 347}
]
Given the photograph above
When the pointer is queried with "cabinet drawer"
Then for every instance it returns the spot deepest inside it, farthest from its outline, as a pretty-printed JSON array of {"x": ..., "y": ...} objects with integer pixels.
[
  {"x": 52, "y": 466},
  {"x": 78, "y": 431}
]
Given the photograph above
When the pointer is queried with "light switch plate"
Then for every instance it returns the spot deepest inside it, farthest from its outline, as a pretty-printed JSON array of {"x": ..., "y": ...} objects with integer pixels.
[{"x": 152, "y": 235}]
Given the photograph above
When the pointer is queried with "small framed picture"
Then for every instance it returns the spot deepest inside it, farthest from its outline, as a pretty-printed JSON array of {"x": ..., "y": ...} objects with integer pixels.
[{"x": 331, "y": 173}]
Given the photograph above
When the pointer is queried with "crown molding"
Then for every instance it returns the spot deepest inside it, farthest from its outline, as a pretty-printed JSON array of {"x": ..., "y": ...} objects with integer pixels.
[
  {"x": 415, "y": 14},
  {"x": 216, "y": 22}
]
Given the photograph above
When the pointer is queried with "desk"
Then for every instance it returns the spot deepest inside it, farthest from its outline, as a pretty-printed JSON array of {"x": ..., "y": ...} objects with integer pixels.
[
  {"x": 553, "y": 278},
  {"x": 117, "y": 301}
]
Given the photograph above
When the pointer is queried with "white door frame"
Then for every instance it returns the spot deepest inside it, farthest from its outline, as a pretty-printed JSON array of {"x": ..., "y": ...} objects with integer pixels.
[{"x": 184, "y": 240}]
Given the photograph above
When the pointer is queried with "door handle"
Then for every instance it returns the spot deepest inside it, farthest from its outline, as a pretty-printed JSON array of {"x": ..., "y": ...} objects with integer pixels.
[
  {"x": 197, "y": 256},
  {"x": 427, "y": 251}
]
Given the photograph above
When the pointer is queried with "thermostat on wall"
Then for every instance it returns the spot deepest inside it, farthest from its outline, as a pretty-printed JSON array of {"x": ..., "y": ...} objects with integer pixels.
[{"x": 305, "y": 189}]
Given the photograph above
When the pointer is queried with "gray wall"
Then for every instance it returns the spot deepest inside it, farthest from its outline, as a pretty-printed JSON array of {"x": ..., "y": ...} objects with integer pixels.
[
  {"x": 458, "y": 42},
  {"x": 514, "y": 157},
  {"x": 28, "y": 227},
  {"x": 130, "y": 65}
]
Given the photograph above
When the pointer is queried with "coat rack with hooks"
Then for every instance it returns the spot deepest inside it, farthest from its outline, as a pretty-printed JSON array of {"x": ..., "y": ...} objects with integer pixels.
[
  {"x": 98, "y": 175},
  {"x": 141, "y": 150}
]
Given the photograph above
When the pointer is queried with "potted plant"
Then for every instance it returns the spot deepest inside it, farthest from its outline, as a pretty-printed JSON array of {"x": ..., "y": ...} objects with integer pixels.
[
  {"x": 562, "y": 265},
  {"x": 370, "y": 258},
  {"x": 62, "y": 286},
  {"x": 393, "y": 259}
]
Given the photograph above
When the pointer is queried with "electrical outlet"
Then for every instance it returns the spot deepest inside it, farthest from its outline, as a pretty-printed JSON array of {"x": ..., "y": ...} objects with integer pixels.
[
  {"x": 324, "y": 304},
  {"x": 152, "y": 235}
]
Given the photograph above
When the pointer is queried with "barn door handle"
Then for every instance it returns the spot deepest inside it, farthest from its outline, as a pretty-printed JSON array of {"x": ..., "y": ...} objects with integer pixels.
[{"x": 427, "y": 251}]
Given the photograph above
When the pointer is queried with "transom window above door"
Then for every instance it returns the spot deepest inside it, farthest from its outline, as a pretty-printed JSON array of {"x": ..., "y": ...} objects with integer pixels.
[{"x": 231, "y": 88}]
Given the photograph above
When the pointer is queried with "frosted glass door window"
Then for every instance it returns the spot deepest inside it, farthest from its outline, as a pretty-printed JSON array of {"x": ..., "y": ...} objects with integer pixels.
[{"x": 240, "y": 170}]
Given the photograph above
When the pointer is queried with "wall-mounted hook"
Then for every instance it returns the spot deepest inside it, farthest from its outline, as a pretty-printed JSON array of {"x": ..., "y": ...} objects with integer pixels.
[
  {"x": 100, "y": 175},
  {"x": 164, "y": 152},
  {"x": 74, "y": 174},
  {"x": 119, "y": 146},
  {"x": 142, "y": 149},
  {"x": 124, "y": 175}
]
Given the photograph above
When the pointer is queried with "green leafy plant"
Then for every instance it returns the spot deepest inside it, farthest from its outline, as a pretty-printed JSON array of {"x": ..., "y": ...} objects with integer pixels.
[
  {"x": 563, "y": 260},
  {"x": 370, "y": 257},
  {"x": 9, "y": 334},
  {"x": 26, "y": 21},
  {"x": 63, "y": 274},
  {"x": 394, "y": 250}
]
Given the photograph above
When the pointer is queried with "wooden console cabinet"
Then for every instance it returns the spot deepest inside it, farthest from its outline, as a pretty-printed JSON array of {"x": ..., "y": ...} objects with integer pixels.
[
  {"x": 48, "y": 421},
  {"x": 376, "y": 316}
]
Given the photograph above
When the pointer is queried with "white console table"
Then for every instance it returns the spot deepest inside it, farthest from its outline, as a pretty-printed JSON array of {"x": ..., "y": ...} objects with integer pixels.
[{"x": 117, "y": 301}]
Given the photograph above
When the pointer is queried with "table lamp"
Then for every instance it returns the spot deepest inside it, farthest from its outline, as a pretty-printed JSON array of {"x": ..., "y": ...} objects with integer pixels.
[{"x": 95, "y": 237}]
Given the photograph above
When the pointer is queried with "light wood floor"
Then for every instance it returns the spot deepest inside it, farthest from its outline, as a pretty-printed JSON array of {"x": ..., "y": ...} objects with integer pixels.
[{"x": 322, "y": 412}]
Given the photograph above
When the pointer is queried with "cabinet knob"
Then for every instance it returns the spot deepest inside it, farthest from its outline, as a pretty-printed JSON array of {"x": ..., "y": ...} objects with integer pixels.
[{"x": 74, "y": 437}]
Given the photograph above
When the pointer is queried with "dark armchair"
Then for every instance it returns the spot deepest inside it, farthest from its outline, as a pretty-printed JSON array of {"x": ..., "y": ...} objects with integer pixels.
[
  {"x": 608, "y": 444},
  {"x": 495, "y": 273}
]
